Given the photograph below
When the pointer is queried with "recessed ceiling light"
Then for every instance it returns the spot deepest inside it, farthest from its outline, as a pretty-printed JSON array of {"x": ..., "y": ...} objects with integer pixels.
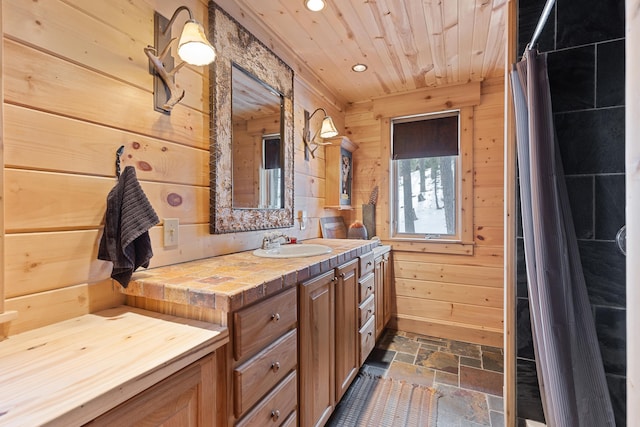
[
  {"x": 359, "y": 68},
  {"x": 314, "y": 5}
]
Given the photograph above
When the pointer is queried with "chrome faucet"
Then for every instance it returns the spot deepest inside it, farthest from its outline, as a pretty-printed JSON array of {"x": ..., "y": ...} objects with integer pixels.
[{"x": 273, "y": 240}]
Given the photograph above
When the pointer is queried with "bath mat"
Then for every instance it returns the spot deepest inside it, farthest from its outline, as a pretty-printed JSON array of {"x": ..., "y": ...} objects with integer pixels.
[{"x": 383, "y": 402}]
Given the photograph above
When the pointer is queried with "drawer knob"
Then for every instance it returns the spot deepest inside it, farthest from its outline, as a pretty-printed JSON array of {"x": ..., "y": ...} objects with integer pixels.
[
  {"x": 369, "y": 264},
  {"x": 370, "y": 288},
  {"x": 275, "y": 414},
  {"x": 275, "y": 317},
  {"x": 275, "y": 366}
]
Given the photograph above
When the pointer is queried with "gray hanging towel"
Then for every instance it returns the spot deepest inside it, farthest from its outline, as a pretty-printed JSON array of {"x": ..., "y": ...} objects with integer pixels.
[{"x": 125, "y": 240}]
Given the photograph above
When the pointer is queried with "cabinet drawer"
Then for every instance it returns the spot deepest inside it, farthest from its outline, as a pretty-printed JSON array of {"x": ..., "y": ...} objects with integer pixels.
[
  {"x": 292, "y": 421},
  {"x": 367, "y": 284},
  {"x": 366, "y": 263},
  {"x": 367, "y": 339},
  {"x": 367, "y": 309},
  {"x": 257, "y": 326},
  {"x": 274, "y": 409},
  {"x": 258, "y": 375}
]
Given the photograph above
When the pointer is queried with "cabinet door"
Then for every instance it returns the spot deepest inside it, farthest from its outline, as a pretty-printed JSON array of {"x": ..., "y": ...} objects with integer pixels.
[
  {"x": 339, "y": 171},
  {"x": 347, "y": 324},
  {"x": 387, "y": 274},
  {"x": 316, "y": 355},
  {"x": 379, "y": 296},
  {"x": 187, "y": 398}
]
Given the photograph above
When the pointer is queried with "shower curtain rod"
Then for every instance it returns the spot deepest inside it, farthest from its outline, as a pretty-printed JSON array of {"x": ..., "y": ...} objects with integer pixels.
[{"x": 543, "y": 20}]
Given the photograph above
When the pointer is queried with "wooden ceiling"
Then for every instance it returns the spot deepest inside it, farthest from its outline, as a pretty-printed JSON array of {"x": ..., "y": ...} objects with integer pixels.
[{"x": 407, "y": 44}]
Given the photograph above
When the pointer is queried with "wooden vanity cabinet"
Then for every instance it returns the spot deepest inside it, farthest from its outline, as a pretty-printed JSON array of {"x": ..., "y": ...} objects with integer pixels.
[
  {"x": 316, "y": 332},
  {"x": 383, "y": 295},
  {"x": 379, "y": 300},
  {"x": 186, "y": 398},
  {"x": 265, "y": 360},
  {"x": 329, "y": 344},
  {"x": 367, "y": 264},
  {"x": 386, "y": 297},
  {"x": 347, "y": 319},
  {"x": 367, "y": 309},
  {"x": 276, "y": 408},
  {"x": 367, "y": 306}
]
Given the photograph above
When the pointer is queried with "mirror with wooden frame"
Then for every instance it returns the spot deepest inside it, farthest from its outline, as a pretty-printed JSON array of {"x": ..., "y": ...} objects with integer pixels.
[{"x": 251, "y": 177}]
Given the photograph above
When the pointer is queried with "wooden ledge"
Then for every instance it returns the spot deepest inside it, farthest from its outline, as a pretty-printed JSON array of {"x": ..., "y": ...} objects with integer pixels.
[
  {"x": 431, "y": 246},
  {"x": 71, "y": 372}
]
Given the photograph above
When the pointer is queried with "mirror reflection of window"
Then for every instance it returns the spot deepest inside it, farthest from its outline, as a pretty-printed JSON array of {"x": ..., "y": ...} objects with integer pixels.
[
  {"x": 256, "y": 115},
  {"x": 272, "y": 156},
  {"x": 271, "y": 173}
]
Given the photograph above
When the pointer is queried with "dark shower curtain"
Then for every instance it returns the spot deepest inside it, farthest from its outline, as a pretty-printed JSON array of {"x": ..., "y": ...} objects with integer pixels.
[{"x": 568, "y": 361}]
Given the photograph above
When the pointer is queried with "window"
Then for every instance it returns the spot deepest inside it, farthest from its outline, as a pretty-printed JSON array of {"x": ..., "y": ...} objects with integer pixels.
[
  {"x": 271, "y": 184},
  {"x": 426, "y": 178}
]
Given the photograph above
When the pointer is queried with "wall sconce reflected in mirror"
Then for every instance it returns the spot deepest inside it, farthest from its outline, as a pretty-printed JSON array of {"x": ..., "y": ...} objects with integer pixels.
[
  {"x": 193, "y": 48},
  {"x": 327, "y": 130}
]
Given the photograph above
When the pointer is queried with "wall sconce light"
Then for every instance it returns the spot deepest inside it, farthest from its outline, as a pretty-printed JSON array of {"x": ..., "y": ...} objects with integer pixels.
[
  {"x": 193, "y": 48},
  {"x": 327, "y": 130}
]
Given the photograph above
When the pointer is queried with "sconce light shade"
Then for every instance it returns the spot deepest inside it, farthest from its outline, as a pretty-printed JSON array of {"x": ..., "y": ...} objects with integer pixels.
[
  {"x": 328, "y": 129},
  {"x": 193, "y": 47}
]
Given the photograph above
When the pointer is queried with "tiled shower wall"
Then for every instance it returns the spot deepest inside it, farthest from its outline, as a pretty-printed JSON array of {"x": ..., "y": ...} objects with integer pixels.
[{"x": 585, "y": 45}]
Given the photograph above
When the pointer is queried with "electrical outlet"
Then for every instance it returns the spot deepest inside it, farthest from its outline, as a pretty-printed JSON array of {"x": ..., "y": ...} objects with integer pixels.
[
  {"x": 302, "y": 219},
  {"x": 171, "y": 228}
]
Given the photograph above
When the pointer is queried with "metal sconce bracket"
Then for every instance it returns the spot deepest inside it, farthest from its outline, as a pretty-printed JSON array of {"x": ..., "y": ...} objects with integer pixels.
[
  {"x": 306, "y": 135},
  {"x": 327, "y": 127},
  {"x": 161, "y": 64},
  {"x": 161, "y": 38},
  {"x": 193, "y": 48}
]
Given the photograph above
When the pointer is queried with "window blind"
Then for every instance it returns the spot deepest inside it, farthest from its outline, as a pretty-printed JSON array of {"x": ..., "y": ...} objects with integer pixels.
[{"x": 425, "y": 138}]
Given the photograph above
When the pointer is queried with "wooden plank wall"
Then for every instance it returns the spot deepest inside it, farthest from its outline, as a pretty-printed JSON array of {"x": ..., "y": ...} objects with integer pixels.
[
  {"x": 246, "y": 178},
  {"x": 5, "y": 316},
  {"x": 246, "y": 169},
  {"x": 76, "y": 87},
  {"x": 448, "y": 295}
]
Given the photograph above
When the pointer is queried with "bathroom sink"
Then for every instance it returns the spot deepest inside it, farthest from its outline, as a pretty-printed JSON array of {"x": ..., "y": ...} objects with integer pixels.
[{"x": 293, "y": 251}]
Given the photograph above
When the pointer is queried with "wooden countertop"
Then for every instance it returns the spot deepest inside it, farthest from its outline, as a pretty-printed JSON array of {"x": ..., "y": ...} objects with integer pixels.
[
  {"x": 381, "y": 250},
  {"x": 70, "y": 372},
  {"x": 229, "y": 282}
]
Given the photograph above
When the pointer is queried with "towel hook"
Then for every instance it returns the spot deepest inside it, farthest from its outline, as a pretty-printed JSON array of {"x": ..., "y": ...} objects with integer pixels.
[{"x": 118, "y": 155}]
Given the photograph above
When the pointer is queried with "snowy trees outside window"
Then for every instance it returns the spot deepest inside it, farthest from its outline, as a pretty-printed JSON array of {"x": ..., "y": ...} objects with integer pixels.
[{"x": 425, "y": 176}]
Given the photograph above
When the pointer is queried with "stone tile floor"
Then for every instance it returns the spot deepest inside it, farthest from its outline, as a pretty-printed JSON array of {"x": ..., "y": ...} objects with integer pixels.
[{"x": 468, "y": 376}]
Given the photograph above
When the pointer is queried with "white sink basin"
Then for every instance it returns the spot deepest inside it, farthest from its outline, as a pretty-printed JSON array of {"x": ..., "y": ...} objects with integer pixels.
[{"x": 293, "y": 251}]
